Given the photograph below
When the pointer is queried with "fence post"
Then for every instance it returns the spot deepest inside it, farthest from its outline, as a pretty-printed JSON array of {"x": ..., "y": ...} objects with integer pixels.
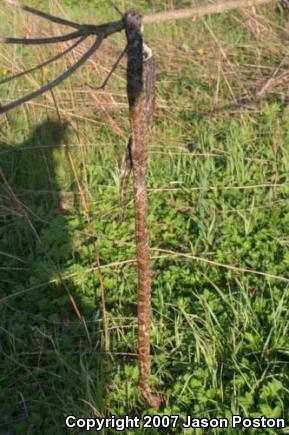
[{"x": 139, "y": 105}]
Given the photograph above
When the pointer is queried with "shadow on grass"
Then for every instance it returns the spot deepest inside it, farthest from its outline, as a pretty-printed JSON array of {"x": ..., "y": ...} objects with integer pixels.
[{"x": 47, "y": 364}]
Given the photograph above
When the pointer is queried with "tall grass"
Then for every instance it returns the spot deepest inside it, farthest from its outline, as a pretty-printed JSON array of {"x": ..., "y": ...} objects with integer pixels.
[{"x": 218, "y": 191}]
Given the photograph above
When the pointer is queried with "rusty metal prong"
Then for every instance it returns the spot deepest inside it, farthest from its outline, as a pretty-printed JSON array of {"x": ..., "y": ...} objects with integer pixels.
[
  {"x": 44, "y": 15},
  {"x": 56, "y": 81},
  {"x": 101, "y": 87},
  {"x": 42, "y": 65},
  {"x": 40, "y": 41},
  {"x": 116, "y": 7}
]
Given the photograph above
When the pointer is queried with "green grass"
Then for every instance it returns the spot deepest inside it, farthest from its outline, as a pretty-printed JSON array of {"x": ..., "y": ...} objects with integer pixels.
[{"x": 218, "y": 190}]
